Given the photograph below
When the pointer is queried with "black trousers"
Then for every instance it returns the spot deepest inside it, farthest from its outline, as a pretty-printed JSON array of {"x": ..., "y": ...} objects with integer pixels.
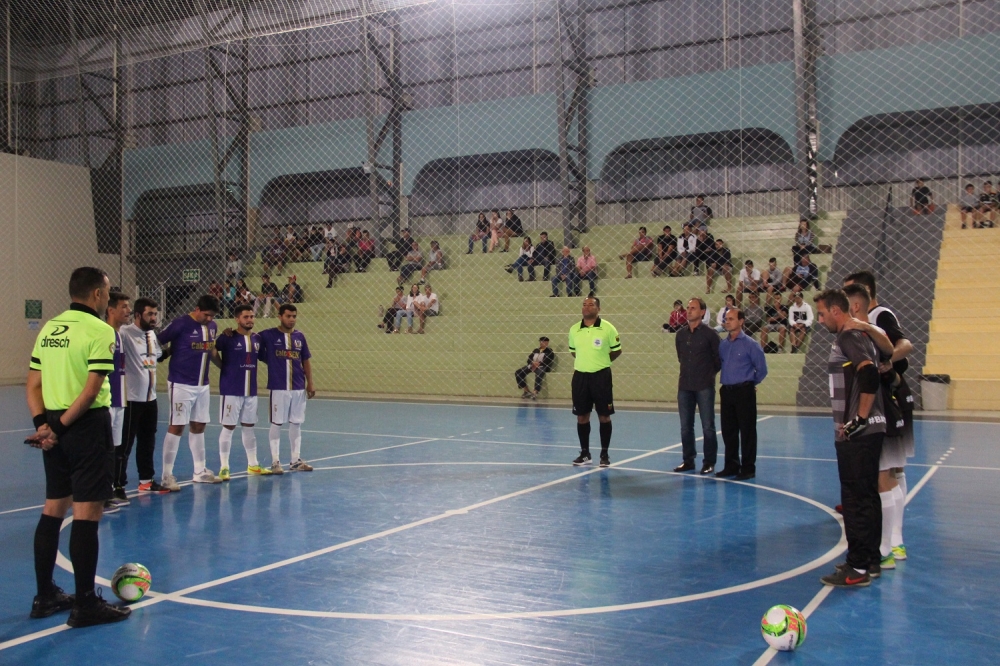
[
  {"x": 738, "y": 407},
  {"x": 521, "y": 374},
  {"x": 140, "y": 425},
  {"x": 857, "y": 462}
]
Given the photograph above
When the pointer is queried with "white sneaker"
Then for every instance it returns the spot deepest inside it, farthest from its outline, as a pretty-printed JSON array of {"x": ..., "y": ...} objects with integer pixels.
[
  {"x": 207, "y": 476},
  {"x": 169, "y": 481},
  {"x": 276, "y": 468},
  {"x": 300, "y": 465}
]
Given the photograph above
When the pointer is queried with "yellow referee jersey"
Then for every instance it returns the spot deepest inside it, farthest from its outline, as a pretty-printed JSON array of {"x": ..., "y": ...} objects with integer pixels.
[{"x": 69, "y": 347}]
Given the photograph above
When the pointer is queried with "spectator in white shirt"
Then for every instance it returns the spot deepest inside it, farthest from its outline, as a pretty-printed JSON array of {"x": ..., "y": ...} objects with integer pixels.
[
  {"x": 800, "y": 319},
  {"x": 426, "y": 305},
  {"x": 720, "y": 319},
  {"x": 234, "y": 268},
  {"x": 750, "y": 281},
  {"x": 524, "y": 258},
  {"x": 408, "y": 310},
  {"x": 687, "y": 247}
]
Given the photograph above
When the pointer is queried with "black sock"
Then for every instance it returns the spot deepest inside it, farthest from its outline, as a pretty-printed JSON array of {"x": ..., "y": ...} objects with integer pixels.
[
  {"x": 83, "y": 548},
  {"x": 605, "y": 437},
  {"x": 583, "y": 430},
  {"x": 46, "y": 549}
]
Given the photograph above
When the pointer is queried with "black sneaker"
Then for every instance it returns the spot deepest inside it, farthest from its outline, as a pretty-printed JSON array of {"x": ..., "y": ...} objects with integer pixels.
[
  {"x": 605, "y": 460},
  {"x": 582, "y": 459},
  {"x": 874, "y": 569},
  {"x": 95, "y": 610},
  {"x": 847, "y": 577},
  {"x": 120, "y": 498},
  {"x": 54, "y": 602},
  {"x": 110, "y": 507},
  {"x": 684, "y": 467}
]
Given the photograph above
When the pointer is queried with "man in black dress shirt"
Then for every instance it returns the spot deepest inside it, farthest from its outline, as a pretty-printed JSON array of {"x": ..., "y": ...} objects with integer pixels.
[
  {"x": 698, "y": 353},
  {"x": 544, "y": 254}
]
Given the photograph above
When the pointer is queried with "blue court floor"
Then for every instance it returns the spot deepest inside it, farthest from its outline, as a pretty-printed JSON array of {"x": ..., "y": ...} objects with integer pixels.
[{"x": 451, "y": 534}]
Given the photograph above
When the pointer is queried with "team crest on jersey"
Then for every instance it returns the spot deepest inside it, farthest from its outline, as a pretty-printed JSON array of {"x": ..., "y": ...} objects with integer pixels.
[
  {"x": 256, "y": 346},
  {"x": 298, "y": 344},
  {"x": 598, "y": 342}
]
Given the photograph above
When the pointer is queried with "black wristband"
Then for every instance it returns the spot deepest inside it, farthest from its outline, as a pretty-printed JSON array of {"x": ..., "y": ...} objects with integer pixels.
[
  {"x": 40, "y": 420},
  {"x": 58, "y": 428}
]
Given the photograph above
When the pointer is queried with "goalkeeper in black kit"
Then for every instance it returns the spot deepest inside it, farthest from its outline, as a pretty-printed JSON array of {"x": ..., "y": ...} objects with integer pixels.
[{"x": 859, "y": 427}]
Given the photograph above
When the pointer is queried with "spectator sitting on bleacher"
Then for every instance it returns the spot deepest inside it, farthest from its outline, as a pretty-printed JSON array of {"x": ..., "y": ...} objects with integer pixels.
[
  {"x": 496, "y": 229},
  {"x": 228, "y": 298},
  {"x": 435, "y": 261},
  {"x": 586, "y": 268},
  {"x": 402, "y": 244},
  {"x": 291, "y": 244},
  {"x": 407, "y": 310},
  {"x": 512, "y": 228},
  {"x": 273, "y": 256},
  {"x": 678, "y": 318},
  {"x": 426, "y": 305},
  {"x": 701, "y": 214},
  {"x": 800, "y": 320},
  {"x": 292, "y": 292},
  {"x": 772, "y": 278},
  {"x": 704, "y": 247},
  {"x": 398, "y": 303},
  {"x": 414, "y": 261},
  {"x": 234, "y": 267},
  {"x": 750, "y": 281},
  {"x": 753, "y": 315},
  {"x": 803, "y": 276},
  {"x": 268, "y": 296},
  {"x": 687, "y": 246},
  {"x": 566, "y": 272},
  {"x": 316, "y": 240},
  {"x": 666, "y": 252},
  {"x": 775, "y": 321},
  {"x": 968, "y": 206},
  {"x": 215, "y": 289},
  {"x": 482, "y": 233},
  {"x": 720, "y": 260},
  {"x": 921, "y": 199},
  {"x": 988, "y": 204},
  {"x": 366, "y": 251},
  {"x": 329, "y": 233},
  {"x": 641, "y": 250},
  {"x": 243, "y": 294},
  {"x": 539, "y": 362},
  {"x": 720, "y": 318},
  {"x": 545, "y": 254},
  {"x": 524, "y": 258}
]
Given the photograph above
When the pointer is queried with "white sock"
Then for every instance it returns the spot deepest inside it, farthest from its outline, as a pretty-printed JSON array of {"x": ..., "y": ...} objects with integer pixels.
[
  {"x": 197, "y": 445},
  {"x": 171, "y": 443},
  {"x": 274, "y": 439},
  {"x": 888, "y": 520},
  {"x": 901, "y": 480},
  {"x": 225, "y": 446},
  {"x": 896, "y": 538},
  {"x": 295, "y": 435},
  {"x": 250, "y": 446}
]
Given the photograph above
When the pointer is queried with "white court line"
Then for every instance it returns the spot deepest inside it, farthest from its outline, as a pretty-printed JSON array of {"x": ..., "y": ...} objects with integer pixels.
[
  {"x": 6, "y": 432},
  {"x": 825, "y": 591}
]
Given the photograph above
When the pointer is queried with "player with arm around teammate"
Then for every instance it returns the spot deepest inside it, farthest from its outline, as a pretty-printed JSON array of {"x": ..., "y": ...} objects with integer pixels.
[
  {"x": 289, "y": 379},
  {"x": 236, "y": 357},
  {"x": 117, "y": 314}
]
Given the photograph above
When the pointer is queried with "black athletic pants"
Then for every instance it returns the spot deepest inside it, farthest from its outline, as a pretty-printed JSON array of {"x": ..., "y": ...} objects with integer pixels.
[
  {"x": 140, "y": 424},
  {"x": 857, "y": 462},
  {"x": 738, "y": 406},
  {"x": 521, "y": 376}
]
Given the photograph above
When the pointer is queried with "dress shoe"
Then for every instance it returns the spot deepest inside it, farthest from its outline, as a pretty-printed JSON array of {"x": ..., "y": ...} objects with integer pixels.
[
  {"x": 728, "y": 471},
  {"x": 707, "y": 468},
  {"x": 743, "y": 476},
  {"x": 684, "y": 467}
]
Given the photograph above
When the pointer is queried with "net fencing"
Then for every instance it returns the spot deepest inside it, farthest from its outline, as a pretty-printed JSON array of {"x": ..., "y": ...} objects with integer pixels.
[{"x": 222, "y": 141}]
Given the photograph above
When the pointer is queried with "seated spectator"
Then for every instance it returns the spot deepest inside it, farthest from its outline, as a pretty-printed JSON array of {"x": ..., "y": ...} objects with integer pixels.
[
  {"x": 775, "y": 321},
  {"x": 316, "y": 240},
  {"x": 291, "y": 244},
  {"x": 701, "y": 214},
  {"x": 234, "y": 268},
  {"x": 750, "y": 281},
  {"x": 545, "y": 254},
  {"x": 366, "y": 251},
  {"x": 426, "y": 305},
  {"x": 389, "y": 315},
  {"x": 641, "y": 250},
  {"x": 566, "y": 272},
  {"x": 496, "y": 229},
  {"x": 329, "y": 233},
  {"x": 687, "y": 247},
  {"x": 402, "y": 243},
  {"x": 666, "y": 252},
  {"x": 678, "y": 318},
  {"x": 228, "y": 298},
  {"x": 268, "y": 296},
  {"x": 412, "y": 262},
  {"x": 435, "y": 261},
  {"x": 704, "y": 246},
  {"x": 800, "y": 320},
  {"x": 720, "y": 319},
  {"x": 772, "y": 278},
  {"x": 803, "y": 276},
  {"x": 753, "y": 315},
  {"x": 988, "y": 204},
  {"x": 511, "y": 228},
  {"x": 243, "y": 294},
  {"x": 292, "y": 292},
  {"x": 351, "y": 238},
  {"x": 524, "y": 258},
  {"x": 586, "y": 268},
  {"x": 921, "y": 199},
  {"x": 969, "y": 207},
  {"x": 273, "y": 256},
  {"x": 482, "y": 233},
  {"x": 407, "y": 310},
  {"x": 330, "y": 252},
  {"x": 215, "y": 289},
  {"x": 805, "y": 242},
  {"x": 539, "y": 362},
  {"x": 719, "y": 261}
]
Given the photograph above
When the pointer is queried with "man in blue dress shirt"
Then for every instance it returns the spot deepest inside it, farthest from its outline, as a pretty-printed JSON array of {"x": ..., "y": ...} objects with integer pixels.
[{"x": 743, "y": 367}]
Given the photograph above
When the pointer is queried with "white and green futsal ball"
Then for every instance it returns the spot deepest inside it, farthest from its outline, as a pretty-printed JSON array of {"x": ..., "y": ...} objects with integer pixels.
[
  {"x": 783, "y": 627},
  {"x": 131, "y": 582}
]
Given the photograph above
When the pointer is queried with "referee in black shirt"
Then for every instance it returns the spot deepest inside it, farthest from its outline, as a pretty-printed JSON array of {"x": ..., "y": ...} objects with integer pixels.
[
  {"x": 69, "y": 397},
  {"x": 698, "y": 353}
]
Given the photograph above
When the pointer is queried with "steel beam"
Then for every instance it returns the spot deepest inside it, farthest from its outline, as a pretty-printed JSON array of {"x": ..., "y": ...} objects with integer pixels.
[
  {"x": 574, "y": 81},
  {"x": 806, "y": 50}
]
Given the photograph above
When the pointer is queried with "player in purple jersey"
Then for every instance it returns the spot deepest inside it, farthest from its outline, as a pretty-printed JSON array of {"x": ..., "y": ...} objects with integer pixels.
[
  {"x": 117, "y": 314},
  {"x": 236, "y": 355},
  {"x": 289, "y": 378},
  {"x": 191, "y": 338}
]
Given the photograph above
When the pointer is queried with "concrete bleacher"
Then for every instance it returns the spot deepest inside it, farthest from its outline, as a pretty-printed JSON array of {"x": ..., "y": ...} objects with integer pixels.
[{"x": 490, "y": 321}]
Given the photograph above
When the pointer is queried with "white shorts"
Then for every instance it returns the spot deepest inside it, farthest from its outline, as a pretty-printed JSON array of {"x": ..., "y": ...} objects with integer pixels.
[
  {"x": 237, "y": 409},
  {"x": 117, "y": 424},
  {"x": 893, "y": 454},
  {"x": 188, "y": 404},
  {"x": 288, "y": 406}
]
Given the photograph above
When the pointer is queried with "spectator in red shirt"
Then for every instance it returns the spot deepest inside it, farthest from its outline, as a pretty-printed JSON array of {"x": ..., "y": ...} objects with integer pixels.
[
  {"x": 366, "y": 251},
  {"x": 641, "y": 250},
  {"x": 586, "y": 265},
  {"x": 678, "y": 319}
]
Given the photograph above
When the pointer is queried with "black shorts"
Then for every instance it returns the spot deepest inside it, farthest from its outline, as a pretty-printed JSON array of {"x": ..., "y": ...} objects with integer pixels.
[
  {"x": 593, "y": 391},
  {"x": 664, "y": 264},
  {"x": 82, "y": 463},
  {"x": 644, "y": 255}
]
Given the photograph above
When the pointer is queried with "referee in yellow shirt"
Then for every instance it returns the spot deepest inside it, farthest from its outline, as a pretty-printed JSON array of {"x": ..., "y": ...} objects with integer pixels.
[
  {"x": 69, "y": 397},
  {"x": 594, "y": 344}
]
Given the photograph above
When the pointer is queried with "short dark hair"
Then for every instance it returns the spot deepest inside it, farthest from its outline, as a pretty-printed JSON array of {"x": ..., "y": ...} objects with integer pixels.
[
  {"x": 701, "y": 302},
  {"x": 85, "y": 280},
  {"x": 591, "y": 297},
  {"x": 265, "y": 276},
  {"x": 543, "y": 338},
  {"x": 208, "y": 303},
  {"x": 858, "y": 290},
  {"x": 773, "y": 259},
  {"x": 115, "y": 298},
  {"x": 546, "y": 234},
  {"x": 642, "y": 229},
  {"x": 833, "y": 298},
  {"x": 140, "y": 305},
  {"x": 748, "y": 262},
  {"x": 739, "y": 313},
  {"x": 240, "y": 309},
  {"x": 988, "y": 182},
  {"x": 677, "y": 302},
  {"x": 866, "y": 278},
  {"x": 970, "y": 185},
  {"x": 287, "y": 307},
  {"x": 667, "y": 228}
]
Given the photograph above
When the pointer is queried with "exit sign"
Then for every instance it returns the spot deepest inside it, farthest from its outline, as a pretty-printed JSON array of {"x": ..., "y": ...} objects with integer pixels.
[{"x": 191, "y": 275}]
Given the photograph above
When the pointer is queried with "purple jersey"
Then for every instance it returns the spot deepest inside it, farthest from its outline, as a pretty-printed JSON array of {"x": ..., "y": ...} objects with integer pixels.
[
  {"x": 191, "y": 345},
  {"x": 284, "y": 354},
  {"x": 239, "y": 364},
  {"x": 117, "y": 378}
]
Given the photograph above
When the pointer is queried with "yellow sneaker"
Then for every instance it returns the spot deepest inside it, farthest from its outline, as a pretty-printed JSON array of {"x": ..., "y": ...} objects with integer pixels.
[
  {"x": 224, "y": 473},
  {"x": 257, "y": 470}
]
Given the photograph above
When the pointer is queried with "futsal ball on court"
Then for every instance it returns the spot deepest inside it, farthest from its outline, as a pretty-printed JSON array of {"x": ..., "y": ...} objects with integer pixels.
[
  {"x": 783, "y": 627},
  {"x": 131, "y": 582}
]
